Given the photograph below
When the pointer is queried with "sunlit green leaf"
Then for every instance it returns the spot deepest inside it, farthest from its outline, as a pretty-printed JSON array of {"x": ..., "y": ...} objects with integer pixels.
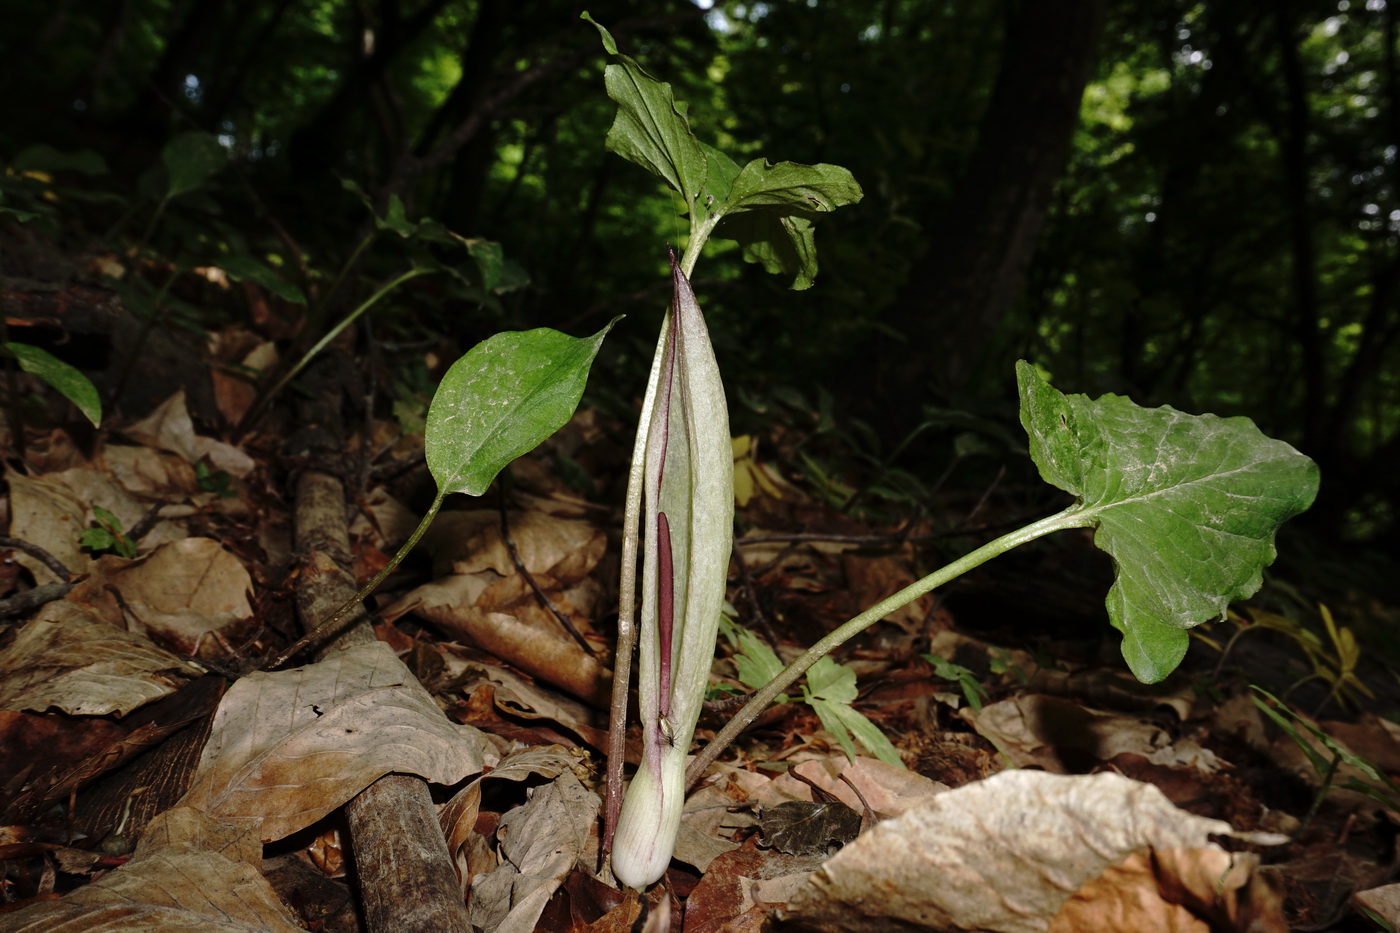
[
  {"x": 770, "y": 210},
  {"x": 1187, "y": 505},
  {"x": 501, "y": 399},
  {"x": 70, "y": 383}
]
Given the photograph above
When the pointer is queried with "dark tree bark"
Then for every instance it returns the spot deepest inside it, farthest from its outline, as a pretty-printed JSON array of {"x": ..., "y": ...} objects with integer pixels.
[
  {"x": 1293, "y": 149},
  {"x": 314, "y": 146},
  {"x": 981, "y": 243},
  {"x": 151, "y": 113}
]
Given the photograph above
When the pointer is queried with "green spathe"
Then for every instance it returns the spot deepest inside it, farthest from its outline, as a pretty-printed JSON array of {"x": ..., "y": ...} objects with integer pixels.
[
  {"x": 1187, "y": 506},
  {"x": 689, "y": 518}
]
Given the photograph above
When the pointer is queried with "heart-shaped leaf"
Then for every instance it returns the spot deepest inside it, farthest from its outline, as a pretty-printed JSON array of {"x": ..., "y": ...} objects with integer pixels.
[{"x": 1187, "y": 506}]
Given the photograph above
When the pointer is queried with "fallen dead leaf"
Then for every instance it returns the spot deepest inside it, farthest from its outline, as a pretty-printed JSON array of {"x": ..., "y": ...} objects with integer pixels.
[
  {"x": 68, "y": 658},
  {"x": 458, "y": 815},
  {"x": 1004, "y": 854},
  {"x": 170, "y": 428},
  {"x": 191, "y": 595},
  {"x": 540, "y": 843},
  {"x": 286, "y": 748},
  {"x": 189, "y": 875},
  {"x": 1064, "y": 736}
]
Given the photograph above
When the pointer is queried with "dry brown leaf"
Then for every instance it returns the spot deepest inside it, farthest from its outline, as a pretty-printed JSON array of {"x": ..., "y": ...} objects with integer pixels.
[
  {"x": 68, "y": 658},
  {"x": 741, "y": 887},
  {"x": 388, "y": 523},
  {"x": 1371, "y": 737},
  {"x": 189, "y": 875},
  {"x": 53, "y": 510},
  {"x": 709, "y": 812},
  {"x": 288, "y": 747},
  {"x": 887, "y": 790},
  {"x": 1003, "y": 854},
  {"x": 546, "y": 655},
  {"x": 458, "y": 815},
  {"x": 192, "y": 595},
  {"x": 147, "y": 470},
  {"x": 170, "y": 428},
  {"x": 234, "y": 390},
  {"x": 469, "y": 542},
  {"x": 1384, "y": 902},
  {"x": 1202, "y": 890},
  {"x": 1063, "y": 735},
  {"x": 540, "y": 843}
]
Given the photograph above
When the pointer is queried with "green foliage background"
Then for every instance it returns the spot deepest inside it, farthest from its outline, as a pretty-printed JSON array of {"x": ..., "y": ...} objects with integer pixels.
[{"x": 1224, "y": 235}]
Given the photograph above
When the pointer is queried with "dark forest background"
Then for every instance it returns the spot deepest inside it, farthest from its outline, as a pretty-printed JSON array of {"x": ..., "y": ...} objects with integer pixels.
[{"x": 1191, "y": 203}]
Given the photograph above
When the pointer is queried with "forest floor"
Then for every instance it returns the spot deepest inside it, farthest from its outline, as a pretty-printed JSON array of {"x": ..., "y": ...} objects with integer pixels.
[{"x": 154, "y": 774}]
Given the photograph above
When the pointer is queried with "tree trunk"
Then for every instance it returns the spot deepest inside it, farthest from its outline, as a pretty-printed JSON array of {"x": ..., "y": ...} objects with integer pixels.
[{"x": 981, "y": 243}]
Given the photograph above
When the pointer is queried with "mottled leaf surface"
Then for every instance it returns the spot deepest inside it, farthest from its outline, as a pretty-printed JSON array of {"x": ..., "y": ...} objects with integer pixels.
[{"x": 1187, "y": 506}]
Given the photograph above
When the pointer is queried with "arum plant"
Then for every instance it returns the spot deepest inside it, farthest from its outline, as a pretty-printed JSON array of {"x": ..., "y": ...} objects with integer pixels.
[
  {"x": 687, "y": 471},
  {"x": 1187, "y": 505},
  {"x": 682, "y": 466}
]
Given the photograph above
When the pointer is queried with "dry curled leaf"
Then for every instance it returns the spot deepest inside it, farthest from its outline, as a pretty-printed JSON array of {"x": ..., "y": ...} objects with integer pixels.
[
  {"x": 1006, "y": 854},
  {"x": 68, "y": 658}
]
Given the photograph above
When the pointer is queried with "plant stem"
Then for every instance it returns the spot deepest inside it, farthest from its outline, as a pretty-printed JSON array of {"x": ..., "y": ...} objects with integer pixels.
[
  {"x": 266, "y": 398},
  {"x": 1069, "y": 518},
  {"x": 325, "y": 628},
  {"x": 627, "y": 609}
]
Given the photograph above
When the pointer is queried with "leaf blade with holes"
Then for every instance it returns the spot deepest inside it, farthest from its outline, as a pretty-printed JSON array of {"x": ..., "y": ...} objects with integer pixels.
[
  {"x": 1187, "y": 506},
  {"x": 500, "y": 400}
]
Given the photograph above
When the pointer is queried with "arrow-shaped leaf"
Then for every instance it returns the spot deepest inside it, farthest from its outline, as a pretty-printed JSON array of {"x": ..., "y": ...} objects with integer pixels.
[{"x": 1187, "y": 506}]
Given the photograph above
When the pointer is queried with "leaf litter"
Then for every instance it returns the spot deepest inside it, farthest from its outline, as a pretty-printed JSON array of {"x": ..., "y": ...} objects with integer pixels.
[{"x": 1034, "y": 812}]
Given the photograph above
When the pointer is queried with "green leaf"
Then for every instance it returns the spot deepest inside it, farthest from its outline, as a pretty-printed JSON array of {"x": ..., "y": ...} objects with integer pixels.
[
  {"x": 396, "y": 218},
  {"x": 1187, "y": 506},
  {"x": 782, "y": 245},
  {"x": 830, "y": 690},
  {"x": 246, "y": 268},
  {"x": 45, "y": 158},
  {"x": 720, "y": 172},
  {"x": 190, "y": 160},
  {"x": 97, "y": 539},
  {"x": 650, "y": 128},
  {"x": 756, "y": 662},
  {"x": 70, "y": 383},
  {"x": 501, "y": 399},
  {"x": 790, "y": 187},
  {"x": 770, "y": 210}
]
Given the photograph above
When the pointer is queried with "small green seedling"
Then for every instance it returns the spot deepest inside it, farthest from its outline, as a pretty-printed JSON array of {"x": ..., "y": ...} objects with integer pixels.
[
  {"x": 107, "y": 534},
  {"x": 830, "y": 691},
  {"x": 1187, "y": 505},
  {"x": 967, "y": 681}
]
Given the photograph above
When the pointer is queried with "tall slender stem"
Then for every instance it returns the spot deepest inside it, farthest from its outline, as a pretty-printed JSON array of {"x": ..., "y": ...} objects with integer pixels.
[{"x": 1069, "y": 518}]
